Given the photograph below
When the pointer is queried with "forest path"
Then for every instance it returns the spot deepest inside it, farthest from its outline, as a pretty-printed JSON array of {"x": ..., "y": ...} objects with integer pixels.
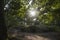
[{"x": 38, "y": 36}]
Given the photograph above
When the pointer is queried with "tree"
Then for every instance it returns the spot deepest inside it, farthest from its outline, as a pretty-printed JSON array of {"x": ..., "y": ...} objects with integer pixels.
[{"x": 48, "y": 12}]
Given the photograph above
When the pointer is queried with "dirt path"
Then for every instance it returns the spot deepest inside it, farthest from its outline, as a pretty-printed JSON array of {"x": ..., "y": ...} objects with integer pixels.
[{"x": 36, "y": 36}]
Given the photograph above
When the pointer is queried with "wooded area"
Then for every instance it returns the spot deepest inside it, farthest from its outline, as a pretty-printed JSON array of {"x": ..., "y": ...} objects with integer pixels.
[{"x": 32, "y": 16}]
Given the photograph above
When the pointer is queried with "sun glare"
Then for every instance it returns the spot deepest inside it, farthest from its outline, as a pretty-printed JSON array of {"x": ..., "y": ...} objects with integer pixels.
[{"x": 32, "y": 13}]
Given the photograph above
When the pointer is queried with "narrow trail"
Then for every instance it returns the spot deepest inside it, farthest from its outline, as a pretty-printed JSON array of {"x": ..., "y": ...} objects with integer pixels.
[{"x": 37, "y": 36}]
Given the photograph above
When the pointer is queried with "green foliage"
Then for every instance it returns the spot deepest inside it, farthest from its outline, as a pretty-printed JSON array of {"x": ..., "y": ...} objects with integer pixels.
[{"x": 49, "y": 14}]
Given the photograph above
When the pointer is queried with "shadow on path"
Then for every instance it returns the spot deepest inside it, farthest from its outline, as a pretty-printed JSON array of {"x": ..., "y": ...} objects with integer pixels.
[{"x": 36, "y": 36}]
